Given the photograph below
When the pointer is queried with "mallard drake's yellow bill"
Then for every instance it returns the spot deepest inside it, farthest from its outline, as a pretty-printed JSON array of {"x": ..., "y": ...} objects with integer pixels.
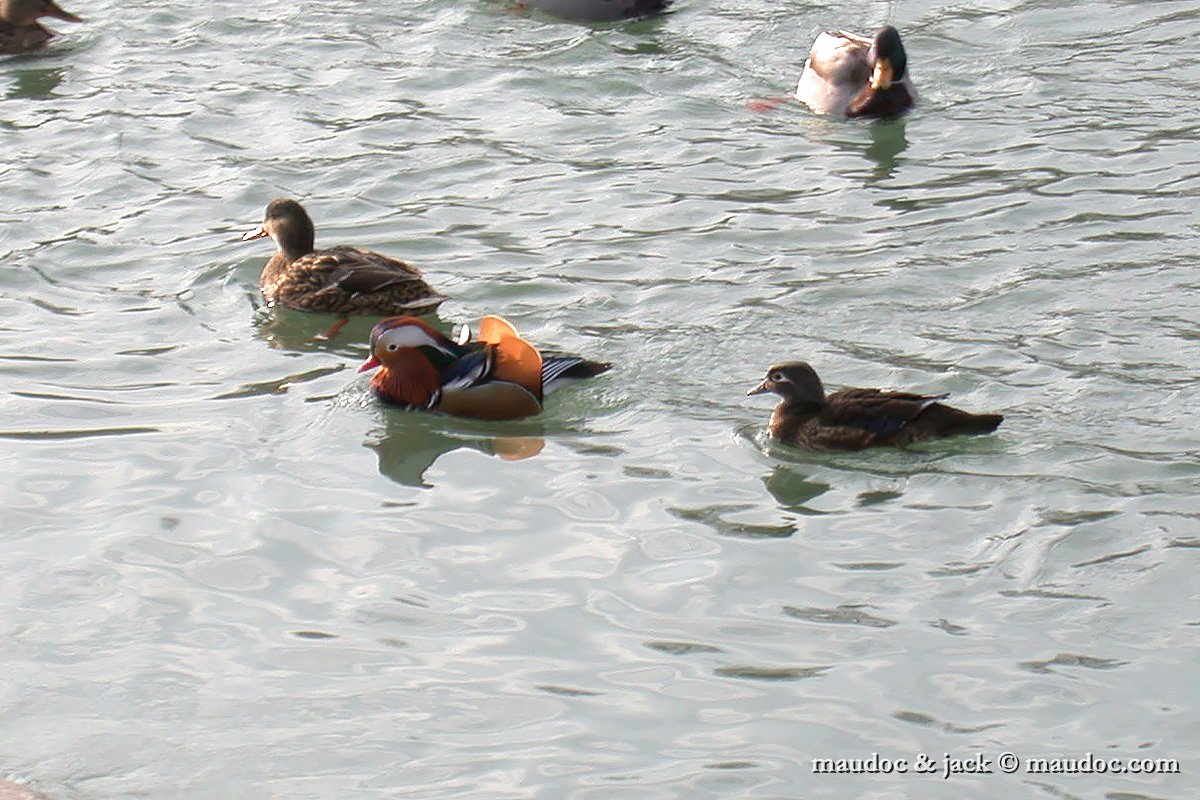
[{"x": 881, "y": 75}]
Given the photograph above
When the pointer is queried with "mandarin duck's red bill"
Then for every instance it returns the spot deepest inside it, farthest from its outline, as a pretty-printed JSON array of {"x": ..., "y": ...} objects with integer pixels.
[
  {"x": 855, "y": 419},
  {"x": 339, "y": 280},
  {"x": 499, "y": 376}
]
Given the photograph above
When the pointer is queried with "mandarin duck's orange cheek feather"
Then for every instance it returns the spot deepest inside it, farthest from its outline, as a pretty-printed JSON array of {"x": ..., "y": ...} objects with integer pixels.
[{"x": 407, "y": 379}]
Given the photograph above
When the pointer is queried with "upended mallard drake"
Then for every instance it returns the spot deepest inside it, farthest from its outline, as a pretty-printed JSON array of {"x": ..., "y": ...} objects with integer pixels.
[{"x": 851, "y": 76}]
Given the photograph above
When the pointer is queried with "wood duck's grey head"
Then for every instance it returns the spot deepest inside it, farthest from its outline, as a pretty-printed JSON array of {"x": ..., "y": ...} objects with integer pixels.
[
  {"x": 794, "y": 381},
  {"x": 887, "y": 58},
  {"x": 289, "y": 225}
]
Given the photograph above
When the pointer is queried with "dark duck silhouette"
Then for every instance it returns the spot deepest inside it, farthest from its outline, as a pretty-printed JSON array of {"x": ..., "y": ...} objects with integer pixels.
[
  {"x": 20, "y": 31},
  {"x": 855, "y": 419},
  {"x": 852, "y": 76},
  {"x": 598, "y": 10},
  {"x": 500, "y": 376},
  {"x": 340, "y": 280}
]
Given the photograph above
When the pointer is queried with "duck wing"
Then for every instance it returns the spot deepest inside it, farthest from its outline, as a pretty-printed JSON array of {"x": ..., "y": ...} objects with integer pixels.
[
  {"x": 350, "y": 280},
  {"x": 358, "y": 271},
  {"x": 883, "y": 414},
  {"x": 900, "y": 417}
]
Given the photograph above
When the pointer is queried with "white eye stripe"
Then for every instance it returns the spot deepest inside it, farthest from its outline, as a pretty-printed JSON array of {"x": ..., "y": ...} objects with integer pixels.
[{"x": 407, "y": 336}]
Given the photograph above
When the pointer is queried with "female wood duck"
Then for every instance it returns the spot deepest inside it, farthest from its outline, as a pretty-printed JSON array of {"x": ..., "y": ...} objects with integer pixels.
[
  {"x": 855, "y": 419},
  {"x": 597, "y": 10},
  {"x": 340, "y": 280},
  {"x": 20, "y": 30},
  {"x": 499, "y": 376},
  {"x": 852, "y": 76}
]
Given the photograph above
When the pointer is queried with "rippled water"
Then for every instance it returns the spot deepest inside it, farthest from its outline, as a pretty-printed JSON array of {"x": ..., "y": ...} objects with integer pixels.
[{"x": 229, "y": 572}]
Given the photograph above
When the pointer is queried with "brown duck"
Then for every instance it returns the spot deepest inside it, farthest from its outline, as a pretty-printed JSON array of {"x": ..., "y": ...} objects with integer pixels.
[
  {"x": 20, "y": 31},
  {"x": 340, "y": 280},
  {"x": 855, "y": 419}
]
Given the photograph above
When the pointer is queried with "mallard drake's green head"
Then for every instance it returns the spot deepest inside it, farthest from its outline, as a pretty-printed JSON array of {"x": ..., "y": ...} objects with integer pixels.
[
  {"x": 796, "y": 381},
  {"x": 21, "y": 13},
  {"x": 887, "y": 58},
  {"x": 289, "y": 225}
]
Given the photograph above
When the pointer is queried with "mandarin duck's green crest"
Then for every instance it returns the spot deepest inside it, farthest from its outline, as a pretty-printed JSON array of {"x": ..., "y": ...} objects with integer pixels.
[{"x": 391, "y": 336}]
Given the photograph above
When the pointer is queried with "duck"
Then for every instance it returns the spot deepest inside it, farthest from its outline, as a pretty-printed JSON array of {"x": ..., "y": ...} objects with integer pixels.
[
  {"x": 855, "y": 419},
  {"x": 20, "y": 31},
  {"x": 598, "y": 10},
  {"x": 498, "y": 376},
  {"x": 847, "y": 75},
  {"x": 341, "y": 280}
]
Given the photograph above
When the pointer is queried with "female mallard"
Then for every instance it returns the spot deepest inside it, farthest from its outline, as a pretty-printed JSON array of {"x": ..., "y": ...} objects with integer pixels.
[
  {"x": 340, "y": 280},
  {"x": 500, "y": 376},
  {"x": 20, "y": 30},
  {"x": 851, "y": 76},
  {"x": 855, "y": 419}
]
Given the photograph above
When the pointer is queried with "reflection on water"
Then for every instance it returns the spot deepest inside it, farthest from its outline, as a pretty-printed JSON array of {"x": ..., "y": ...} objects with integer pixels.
[
  {"x": 411, "y": 442},
  {"x": 35, "y": 84},
  {"x": 286, "y": 329},
  {"x": 887, "y": 143},
  {"x": 793, "y": 490}
]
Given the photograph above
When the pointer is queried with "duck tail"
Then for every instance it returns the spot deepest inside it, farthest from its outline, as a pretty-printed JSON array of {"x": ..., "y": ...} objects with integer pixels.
[
  {"x": 558, "y": 371},
  {"x": 943, "y": 420}
]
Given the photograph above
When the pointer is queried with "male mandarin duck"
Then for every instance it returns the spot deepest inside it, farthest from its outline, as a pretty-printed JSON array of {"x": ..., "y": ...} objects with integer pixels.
[
  {"x": 855, "y": 419},
  {"x": 498, "y": 377},
  {"x": 20, "y": 30},
  {"x": 597, "y": 10},
  {"x": 340, "y": 280},
  {"x": 852, "y": 76}
]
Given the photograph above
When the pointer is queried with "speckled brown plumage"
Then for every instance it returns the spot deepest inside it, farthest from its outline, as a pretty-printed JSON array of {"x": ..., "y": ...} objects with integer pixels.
[
  {"x": 855, "y": 419},
  {"x": 20, "y": 31},
  {"x": 339, "y": 280}
]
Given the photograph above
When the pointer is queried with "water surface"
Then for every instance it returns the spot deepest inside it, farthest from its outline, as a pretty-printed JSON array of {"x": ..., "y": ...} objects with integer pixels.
[{"x": 230, "y": 572}]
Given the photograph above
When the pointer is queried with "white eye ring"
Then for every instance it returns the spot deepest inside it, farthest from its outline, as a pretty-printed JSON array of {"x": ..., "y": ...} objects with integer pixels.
[
  {"x": 393, "y": 347},
  {"x": 777, "y": 377}
]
